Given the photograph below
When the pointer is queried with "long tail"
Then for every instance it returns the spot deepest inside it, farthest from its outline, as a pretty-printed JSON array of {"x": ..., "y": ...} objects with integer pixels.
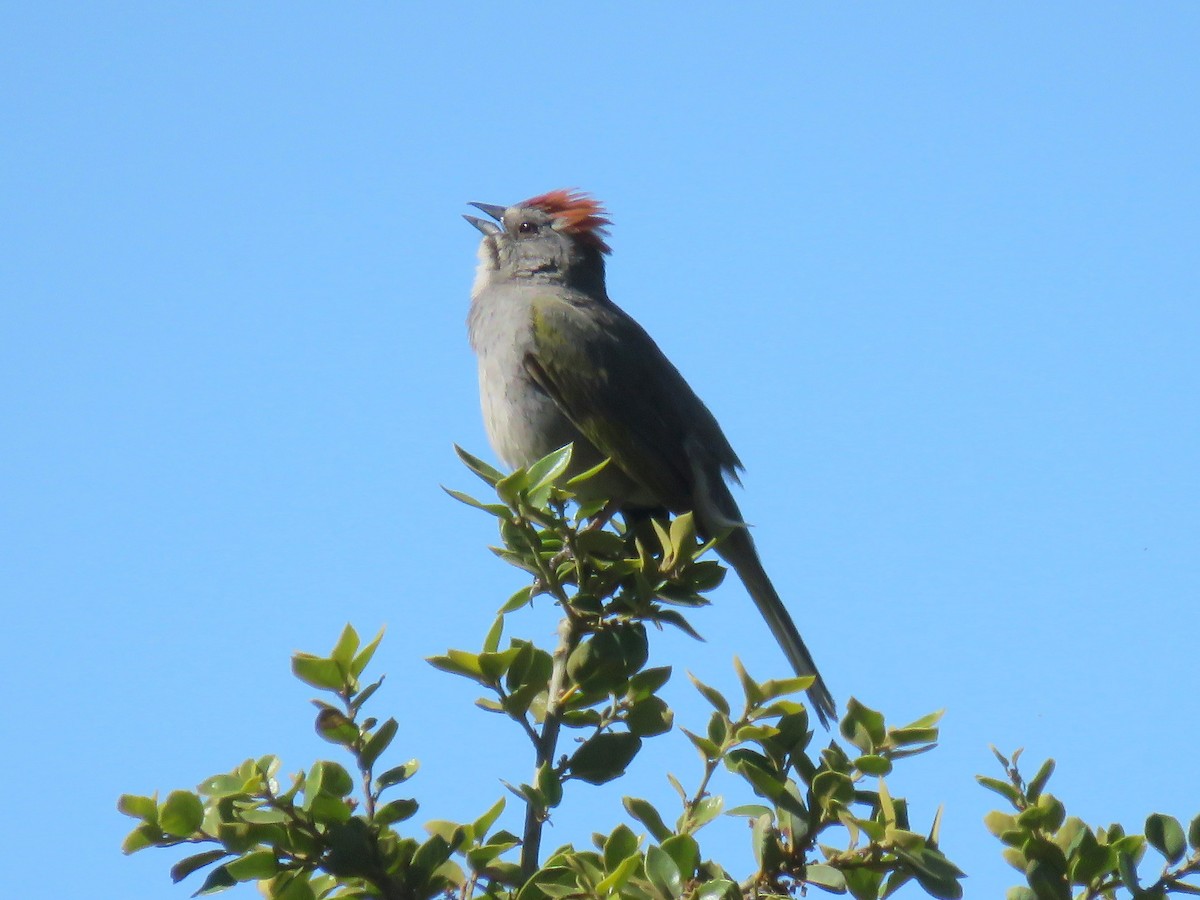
[{"x": 738, "y": 550}]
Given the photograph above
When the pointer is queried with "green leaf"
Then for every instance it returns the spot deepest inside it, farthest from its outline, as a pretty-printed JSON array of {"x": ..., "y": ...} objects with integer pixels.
[
  {"x": 604, "y": 757},
  {"x": 832, "y": 787},
  {"x": 431, "y": 854},
  {"x": 377, "y": 743},
  {"x": 345, "y": 648},
  {"x": 1088, "y": 859},
  {"x": 684, "y": 850},
  {"x": 363, "y": 659},
  {"x": 190, "y": 864},
  {"x": 871, "y": 764},
  {"x": 1128, "y": 871},
  {"x": 292, "y": 885},
  {"x": 460, "y": 662},
  {"x": 645, "y": 813},
  {"x": 498, "y": 510},
  {"x": 649, "y": 717},
  {"x": 318, "y": 672},
  {"x": 492, "y": 641},
  {"x": 862, "y": 726},
  {"x": 663, "y": 873},
  {"x": 334, "y": 779},
  {"x": 716, "y": 889},
  {"x": 138, "y": 807},
  {"x": 181, "y": 814},
  {"x": 826, "y": 877},
  {"x": 336, "y": 727},
  {"x": 397, "y": 774},
  {"x": 619, "y": 847},
  {"x": 517, "y": 600},
  {"x": 1048, "y": 882},
  {"x": 543, "y": 473},
  {"x": 705, "y": 810},
  {"x": 1038, "y": 783},
  {"x": 364, "y": 695},
  {"x": 1194, "y": 833},
  {"x": 254, "y": 866},
  {"x": 618, "y": 876},
  {"x": 1165, "y": 835},
  {"x": 396, "y": 811},
  {"x": 218, "y": 880},
  {"x": 903, "y": 737},
  {"x": 478, "y": 466},
  {"x": 1003, "y": 788},
  {"x": 549, "y": 785},
  {"x": 145, "y": 835},
  {"x": 481, "y": 825},
  {"x": 712, "y": 695}
]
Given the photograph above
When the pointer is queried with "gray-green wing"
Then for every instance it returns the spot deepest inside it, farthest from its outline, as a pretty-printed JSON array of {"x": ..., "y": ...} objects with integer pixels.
[{"x": 622, "y": 393}]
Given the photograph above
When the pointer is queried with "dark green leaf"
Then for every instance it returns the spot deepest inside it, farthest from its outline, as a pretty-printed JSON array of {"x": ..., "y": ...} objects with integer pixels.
[
  {"x": 648, "y": 816},
  {"x": 649, "y": 717},
  {"x": 1128, "y": 871},
  {"x": 398, "y": 774},
  {"x": 218, "y": 880},
  {"x": 1194, "y": 833},
  {"x": 604, "y": 757},
  {"x": 647, "y": 682},
  {"x": 181, "y": 814},
  {"x": 396, "y": 811},
  {"x": 1165, "y": 835},
  {"x": 190, "y": 864},
  {"x": 431, "y": 854},
  {"x": 364, "y": 695}
]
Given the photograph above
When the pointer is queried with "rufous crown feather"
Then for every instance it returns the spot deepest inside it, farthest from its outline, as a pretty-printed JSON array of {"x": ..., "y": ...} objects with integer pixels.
[{"x": 583, "y": 216}]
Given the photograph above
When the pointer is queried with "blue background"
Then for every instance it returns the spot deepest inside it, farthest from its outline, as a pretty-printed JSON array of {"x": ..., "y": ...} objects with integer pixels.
[{"x": 934, "y": 268}]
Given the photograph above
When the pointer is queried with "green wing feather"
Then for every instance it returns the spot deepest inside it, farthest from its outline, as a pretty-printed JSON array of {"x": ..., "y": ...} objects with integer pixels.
[{"x": 622, "y": 393}]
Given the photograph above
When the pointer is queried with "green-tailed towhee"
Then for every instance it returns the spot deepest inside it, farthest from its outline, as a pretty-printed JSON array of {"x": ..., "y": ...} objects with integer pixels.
[{"x": 559, "y": 362}]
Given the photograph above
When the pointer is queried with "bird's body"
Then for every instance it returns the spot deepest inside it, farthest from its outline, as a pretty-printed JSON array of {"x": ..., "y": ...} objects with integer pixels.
[{"x": 560, "y": 363}]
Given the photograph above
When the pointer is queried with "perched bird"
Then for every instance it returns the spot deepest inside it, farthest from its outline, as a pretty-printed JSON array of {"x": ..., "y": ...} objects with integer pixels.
[{"x": 559, "y": 362}]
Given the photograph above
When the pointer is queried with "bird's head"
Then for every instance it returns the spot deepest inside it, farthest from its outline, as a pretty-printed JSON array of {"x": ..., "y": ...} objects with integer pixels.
[{"x": 554, "y": 237}]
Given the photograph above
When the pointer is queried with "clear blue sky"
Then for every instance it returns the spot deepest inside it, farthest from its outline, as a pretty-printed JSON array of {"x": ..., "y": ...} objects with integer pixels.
[{"x": 934, "y": 267}]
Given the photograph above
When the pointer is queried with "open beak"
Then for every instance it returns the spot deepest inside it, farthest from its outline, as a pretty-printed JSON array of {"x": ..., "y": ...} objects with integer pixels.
[
  {"x": 488, "y": 228},
  {"x": 496, "y": 212}
]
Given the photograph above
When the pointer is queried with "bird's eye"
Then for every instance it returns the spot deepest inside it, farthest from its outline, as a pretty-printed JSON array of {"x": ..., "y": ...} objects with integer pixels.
[{"x": 527, "y": 228}]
